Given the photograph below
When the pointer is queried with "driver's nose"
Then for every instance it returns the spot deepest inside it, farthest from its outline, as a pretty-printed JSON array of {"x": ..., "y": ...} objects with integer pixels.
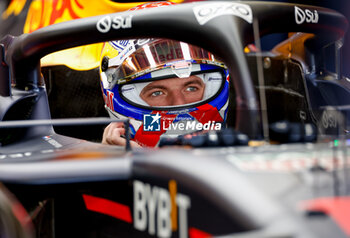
[{"x": 178, "y": 98}]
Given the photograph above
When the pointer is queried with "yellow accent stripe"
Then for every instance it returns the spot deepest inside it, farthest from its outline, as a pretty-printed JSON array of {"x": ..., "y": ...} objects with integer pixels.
[{"x": 173, "y": 191}]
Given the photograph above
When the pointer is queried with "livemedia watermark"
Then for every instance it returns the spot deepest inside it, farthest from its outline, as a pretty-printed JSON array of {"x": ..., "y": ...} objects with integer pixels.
[{"x": 157, "y": 123}]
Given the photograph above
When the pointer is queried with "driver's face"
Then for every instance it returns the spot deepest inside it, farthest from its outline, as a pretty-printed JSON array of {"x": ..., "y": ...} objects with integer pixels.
[{"x": 173, "y": 91}]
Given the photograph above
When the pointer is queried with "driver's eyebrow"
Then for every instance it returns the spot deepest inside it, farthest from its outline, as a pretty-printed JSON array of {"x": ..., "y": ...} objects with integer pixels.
[
  {"x": 150, "y": 87},
  {"x": 194, "y": 81}
]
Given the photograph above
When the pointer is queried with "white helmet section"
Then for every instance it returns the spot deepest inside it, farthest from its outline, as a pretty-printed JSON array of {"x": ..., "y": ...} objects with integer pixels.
[{"x": 132, "y": 92}]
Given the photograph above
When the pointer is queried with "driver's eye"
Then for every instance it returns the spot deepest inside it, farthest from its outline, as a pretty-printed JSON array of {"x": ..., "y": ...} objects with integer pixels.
[
  {"x": 157, "y": 93},
  {"x": 191, "y": 89}
]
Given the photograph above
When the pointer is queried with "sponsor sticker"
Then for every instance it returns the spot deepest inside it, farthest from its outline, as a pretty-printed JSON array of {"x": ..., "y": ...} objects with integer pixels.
[
  {"x": 305, "y": 15},
  {"x": 123, "y": 54},
  {"x": 207, "y": 12},
  {"x": 107, "y": 23},
  {"x": 109, "y": 99},
  {"x": 53, "y": 142},
  {"x": 160, "y": 211}
]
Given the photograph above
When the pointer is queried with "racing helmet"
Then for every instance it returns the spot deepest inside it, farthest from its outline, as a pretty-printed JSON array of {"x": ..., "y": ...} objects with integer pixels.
[{"x": 165, "y": 87}]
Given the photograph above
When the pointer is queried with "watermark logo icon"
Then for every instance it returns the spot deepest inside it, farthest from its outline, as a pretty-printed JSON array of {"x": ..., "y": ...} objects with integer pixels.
[{"x": 151, "y": 122}]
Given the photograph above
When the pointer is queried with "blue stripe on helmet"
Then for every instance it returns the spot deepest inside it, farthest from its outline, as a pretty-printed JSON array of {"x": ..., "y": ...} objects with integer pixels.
[
  {"x": 145, "y": 76},
  {"x": 209, "y": 67},
  {"x": 222, "y": 98},
  {"x": 132, "y": 131},
  {"x": 126, "y": 109}
]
